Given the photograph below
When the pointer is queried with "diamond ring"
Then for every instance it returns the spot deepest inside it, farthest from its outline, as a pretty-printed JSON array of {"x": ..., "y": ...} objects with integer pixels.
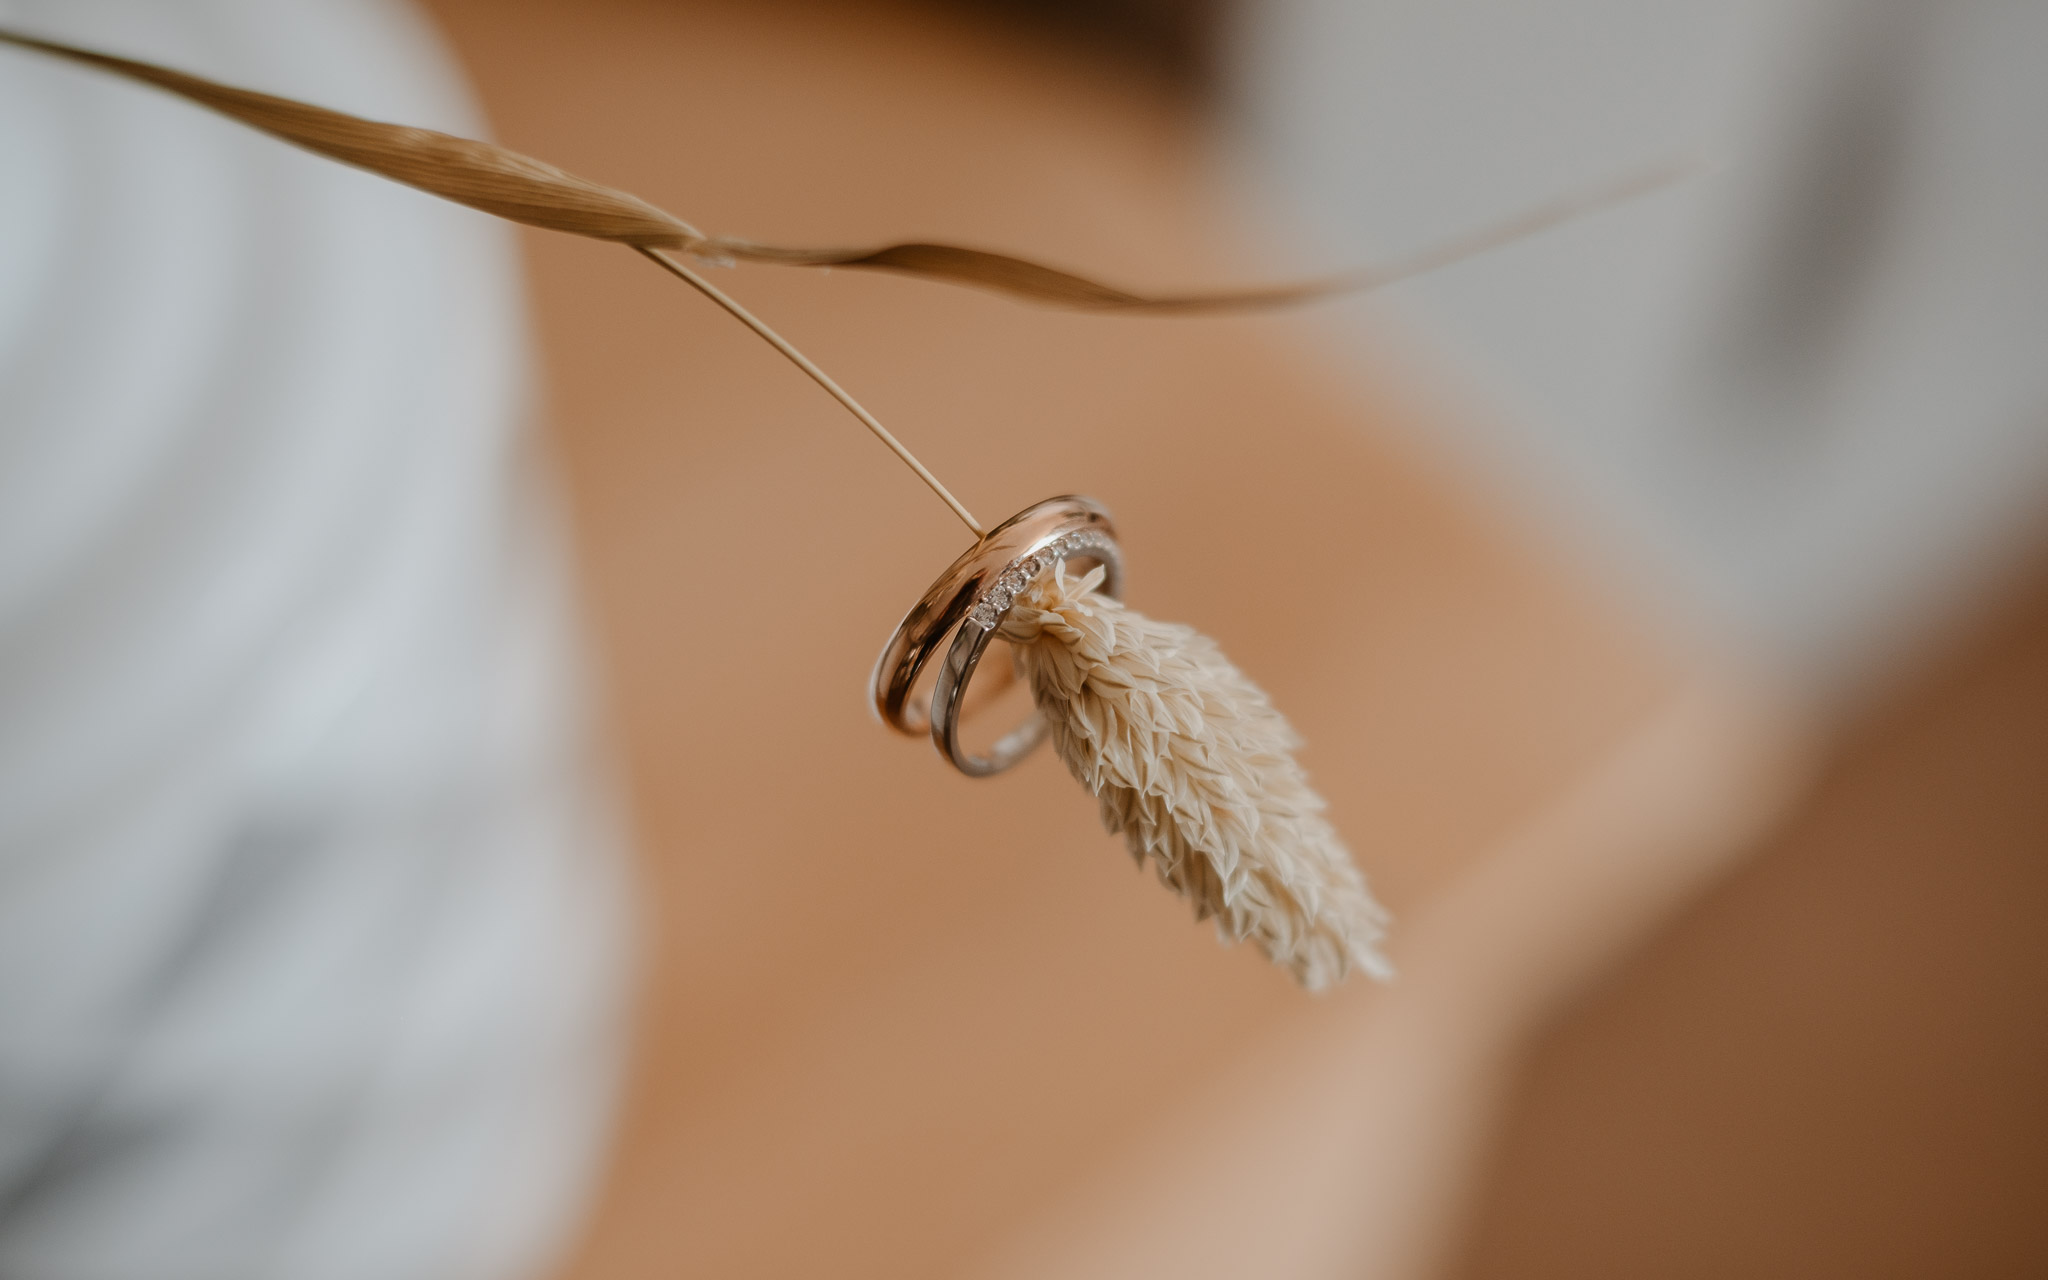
[{"x": 968, "y": 602}]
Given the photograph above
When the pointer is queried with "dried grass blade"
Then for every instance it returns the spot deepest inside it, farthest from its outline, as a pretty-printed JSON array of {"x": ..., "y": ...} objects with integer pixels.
[
  {"x": 478, "y": 174},
  {"x": 1023, "y": 278},
  {"x": 518, "y": 187},
  {"x": 1018, "y": 277}
]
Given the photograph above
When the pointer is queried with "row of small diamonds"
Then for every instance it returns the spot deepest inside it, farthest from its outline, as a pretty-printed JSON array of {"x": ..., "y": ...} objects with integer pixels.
[{"x": 989, "y": 610}]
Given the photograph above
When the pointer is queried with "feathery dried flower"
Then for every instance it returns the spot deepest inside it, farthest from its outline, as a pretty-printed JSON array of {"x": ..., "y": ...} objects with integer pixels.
[{"x": 1195, "y": 767}]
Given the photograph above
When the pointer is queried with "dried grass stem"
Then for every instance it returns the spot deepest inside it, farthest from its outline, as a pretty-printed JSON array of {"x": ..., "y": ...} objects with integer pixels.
[{"x": 803, "y": 362}]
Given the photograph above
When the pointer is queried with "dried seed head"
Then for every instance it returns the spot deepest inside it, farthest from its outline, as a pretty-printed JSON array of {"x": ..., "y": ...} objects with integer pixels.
[{"x": 1192, "y": 764}]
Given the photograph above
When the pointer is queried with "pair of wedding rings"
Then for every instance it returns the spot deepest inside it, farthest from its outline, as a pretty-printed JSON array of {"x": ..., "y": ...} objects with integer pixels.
[{"x": 968, "y": 603}]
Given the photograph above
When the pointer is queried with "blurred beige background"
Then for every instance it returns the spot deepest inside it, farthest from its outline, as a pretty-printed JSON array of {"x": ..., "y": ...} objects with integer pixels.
[{"x": 897, "y": 1023}]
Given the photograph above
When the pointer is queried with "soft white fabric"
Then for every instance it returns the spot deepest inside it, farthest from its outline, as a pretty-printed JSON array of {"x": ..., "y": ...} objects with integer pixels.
[
  {"x": 1805, "y": 394},
  {"x": 310, "y": 938}
]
